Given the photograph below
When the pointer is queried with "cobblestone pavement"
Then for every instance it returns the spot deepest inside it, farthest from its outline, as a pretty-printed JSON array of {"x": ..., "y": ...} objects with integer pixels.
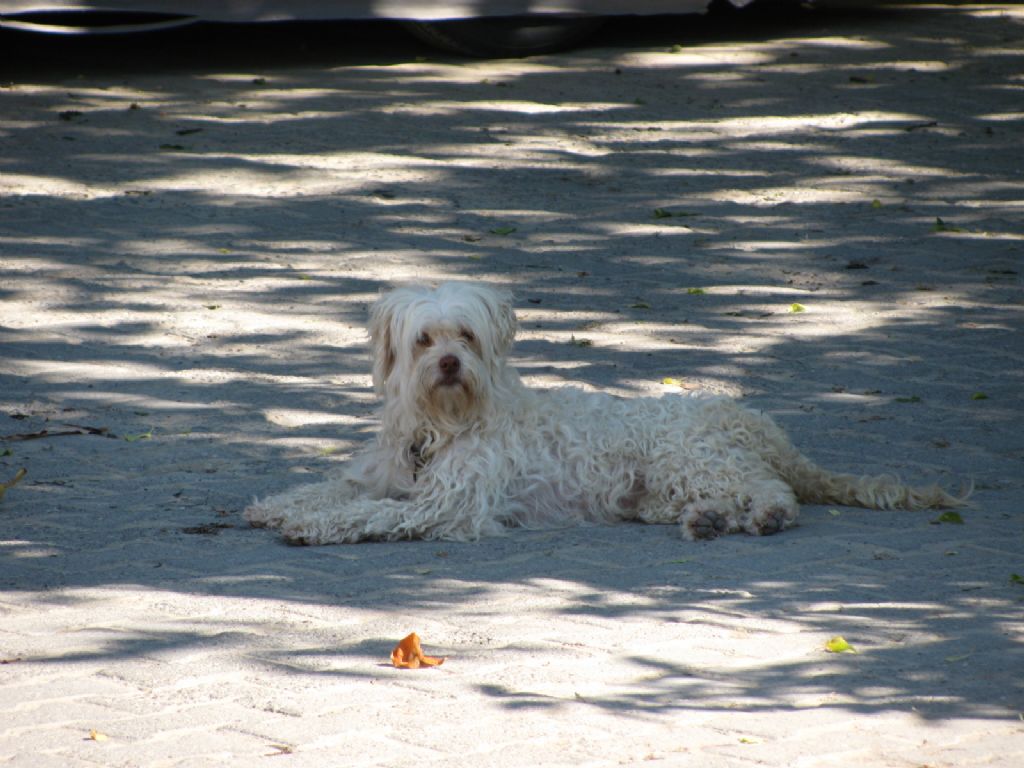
[{"x": 191, "y": 228}]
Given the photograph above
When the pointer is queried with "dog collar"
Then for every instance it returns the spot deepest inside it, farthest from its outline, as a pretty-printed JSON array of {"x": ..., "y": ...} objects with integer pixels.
[{"x": 418, "y": 462}]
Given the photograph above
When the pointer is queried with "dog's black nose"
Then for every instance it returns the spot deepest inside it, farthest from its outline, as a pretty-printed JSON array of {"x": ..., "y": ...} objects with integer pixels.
[{"x": 449, "y": 365}]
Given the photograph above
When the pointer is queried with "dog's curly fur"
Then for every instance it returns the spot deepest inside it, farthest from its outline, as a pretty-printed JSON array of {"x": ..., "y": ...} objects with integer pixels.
[{"x": 466, "y": 450}]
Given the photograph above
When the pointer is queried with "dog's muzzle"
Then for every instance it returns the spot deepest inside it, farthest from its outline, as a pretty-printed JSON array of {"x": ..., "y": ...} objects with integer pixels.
[{"x": 450, "y": 368}]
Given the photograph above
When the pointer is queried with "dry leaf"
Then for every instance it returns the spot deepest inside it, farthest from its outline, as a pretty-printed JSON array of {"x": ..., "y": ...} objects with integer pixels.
[
  {"x": 409, "y": 655},
  {"x": 95, "y": 735},
  {"x": 4, "y": 487}
]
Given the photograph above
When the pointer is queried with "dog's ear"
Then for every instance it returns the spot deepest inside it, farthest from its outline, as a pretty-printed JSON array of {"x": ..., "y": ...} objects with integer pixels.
[
  {"x": 490, "y": 312},
  {"x": 504, "y": 319},
  {"x": 382, "y": 339}
]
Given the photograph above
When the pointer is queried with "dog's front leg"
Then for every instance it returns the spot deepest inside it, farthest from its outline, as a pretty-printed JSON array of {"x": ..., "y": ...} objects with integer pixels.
[
  {"x": 358, "y": 519},
  {"x": 449, "y": 501},
  {"x": 368, "y": 475},
  {"x": 389, "y": 520},
  {"x": 307, "y": 501}
]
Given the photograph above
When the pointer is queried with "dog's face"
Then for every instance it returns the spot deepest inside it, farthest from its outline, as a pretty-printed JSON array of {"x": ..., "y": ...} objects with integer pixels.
[{"x": 438, "y": 352}]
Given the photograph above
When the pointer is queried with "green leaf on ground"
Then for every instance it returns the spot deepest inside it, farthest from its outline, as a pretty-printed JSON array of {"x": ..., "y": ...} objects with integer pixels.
[
  {"x": 1016, "y": 578},
  {"x": 661, "y": 213},
  {"x": 672, "y": 382},
  {"x": 142, "y": 436},
  {"x": 640, "y": 305},
  {"x": 949, "y": 517},
  {"x": 979, "y": 396},
  {"x": 838, "y": 644},
  {"x": 503, "y": 231},
  {"x": 797, "y": 308},
  {"x": 695, "y": 291},
  {"x": 941, "y": 226}
]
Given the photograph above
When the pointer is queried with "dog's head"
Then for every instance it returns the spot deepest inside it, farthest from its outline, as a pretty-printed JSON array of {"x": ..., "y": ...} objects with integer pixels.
[{"x": 439, "y": 353}]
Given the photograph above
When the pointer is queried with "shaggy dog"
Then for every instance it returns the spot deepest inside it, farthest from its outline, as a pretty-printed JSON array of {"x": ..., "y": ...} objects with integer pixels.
[{"x": 465, "y": 449}]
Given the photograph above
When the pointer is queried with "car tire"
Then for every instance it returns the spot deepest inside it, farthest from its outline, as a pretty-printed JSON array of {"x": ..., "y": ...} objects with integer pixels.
[{"x": 509, "y": 37}]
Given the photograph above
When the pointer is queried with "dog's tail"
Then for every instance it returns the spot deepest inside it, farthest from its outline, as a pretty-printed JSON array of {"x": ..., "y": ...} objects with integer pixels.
[{"x": 816, "y": 485}]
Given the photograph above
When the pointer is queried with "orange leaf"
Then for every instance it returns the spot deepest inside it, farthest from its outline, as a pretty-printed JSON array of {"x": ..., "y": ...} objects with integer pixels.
[{"x": 409, "y": 655}]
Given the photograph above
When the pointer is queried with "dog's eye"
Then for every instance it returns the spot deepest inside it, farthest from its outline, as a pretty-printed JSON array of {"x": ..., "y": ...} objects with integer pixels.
[
  {"x": 424, "y": 340},
  {"x": 467, "y": 336}
]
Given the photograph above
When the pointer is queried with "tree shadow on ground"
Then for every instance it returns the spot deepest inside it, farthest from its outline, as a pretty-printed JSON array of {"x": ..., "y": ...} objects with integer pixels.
[{"x": 191, "y": 250}]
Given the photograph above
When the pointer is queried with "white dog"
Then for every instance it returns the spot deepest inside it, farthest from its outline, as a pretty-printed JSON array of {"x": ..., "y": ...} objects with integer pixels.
[{"x": 465, "y": 449}]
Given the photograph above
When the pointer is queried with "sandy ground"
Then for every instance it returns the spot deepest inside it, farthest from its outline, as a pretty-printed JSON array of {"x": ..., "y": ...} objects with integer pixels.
[{"x": 192, "y": 226}]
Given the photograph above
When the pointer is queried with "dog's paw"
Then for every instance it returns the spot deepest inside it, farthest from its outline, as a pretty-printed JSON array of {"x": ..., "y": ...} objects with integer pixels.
[
  {"x": 304, "y": 535},
  {"x": 770, "y": 516},
  {"x": 704, "y": 523},
  {"x": 308, "y": 532},
  {"x": 259, "y": 514},
  {"x": 709, "y": 525},
  {"x": 771, "y": 521}
]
